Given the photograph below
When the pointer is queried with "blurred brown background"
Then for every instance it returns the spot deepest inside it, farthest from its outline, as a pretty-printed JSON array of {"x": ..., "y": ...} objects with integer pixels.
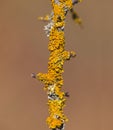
[{"x": 88, "y": 78}]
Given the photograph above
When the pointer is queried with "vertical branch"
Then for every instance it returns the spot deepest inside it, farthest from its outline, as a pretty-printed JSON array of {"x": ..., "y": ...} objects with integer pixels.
[{"x": 53, "y": 79}]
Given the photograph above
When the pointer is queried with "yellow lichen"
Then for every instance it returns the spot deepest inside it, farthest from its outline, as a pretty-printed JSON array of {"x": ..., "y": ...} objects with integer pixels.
[{"x": 53, "y": 79}]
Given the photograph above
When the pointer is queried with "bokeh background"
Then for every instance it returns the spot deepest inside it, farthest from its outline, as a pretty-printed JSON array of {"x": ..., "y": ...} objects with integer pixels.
[{"x": 88, "y": 77}]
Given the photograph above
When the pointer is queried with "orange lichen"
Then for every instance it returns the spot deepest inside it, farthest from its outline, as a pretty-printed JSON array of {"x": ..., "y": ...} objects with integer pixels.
[{"x": 53, "y": 79}]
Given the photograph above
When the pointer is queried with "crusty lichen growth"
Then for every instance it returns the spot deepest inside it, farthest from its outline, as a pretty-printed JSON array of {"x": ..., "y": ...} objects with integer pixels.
[{"x": 53, "y": 79}]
